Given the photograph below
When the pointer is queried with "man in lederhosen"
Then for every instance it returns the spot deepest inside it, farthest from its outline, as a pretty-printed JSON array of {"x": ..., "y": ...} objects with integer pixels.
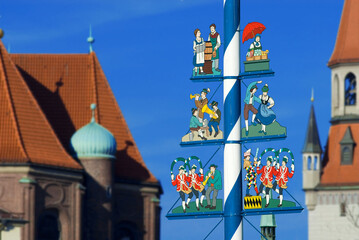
[
  {"x": 182, "y": 188},
  {"x": 195, "y": 183},
  {"x": 267, "y": 177},
  {"x": 214, "y": 121},
  {"x": 282, "y": 178},
  {"x": 249, "y": 102},
  {"x": 201, "y": 103}
]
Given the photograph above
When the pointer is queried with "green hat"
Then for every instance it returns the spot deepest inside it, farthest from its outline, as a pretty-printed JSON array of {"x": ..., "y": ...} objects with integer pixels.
[
  {"x": 285, "y": 159},
  {"x": 213, "y": 165},
  {"x": 193, "y": 110},
  {"x": 214, "y": 103},
  {"x": 206, "y": 90},
  {"x": 270, "y": 158},
  {"x": 265, "y": 88},
  {"x": 194, "y": 167},
  {"x": 181, "y": 167}
]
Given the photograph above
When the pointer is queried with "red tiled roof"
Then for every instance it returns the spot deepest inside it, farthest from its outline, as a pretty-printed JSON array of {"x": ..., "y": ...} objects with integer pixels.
[
  {"x": 333, "y": 172},
  {"x": 65, "y": 85},
  {"x": 346, "y": 48},
  {"x": 25, "y": 134}
]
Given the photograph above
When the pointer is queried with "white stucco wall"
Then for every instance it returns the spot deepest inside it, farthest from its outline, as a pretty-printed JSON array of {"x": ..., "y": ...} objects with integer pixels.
[{"x": 325, "y": 221}]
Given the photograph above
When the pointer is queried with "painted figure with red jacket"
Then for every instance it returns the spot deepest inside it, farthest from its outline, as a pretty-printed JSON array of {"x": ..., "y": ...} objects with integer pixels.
[
  {"x": 282, "y": 178},
  {"x": 195, "y": 184},
  {"x": 181, "y": 183},
  {"x": 267, "y": 172}
]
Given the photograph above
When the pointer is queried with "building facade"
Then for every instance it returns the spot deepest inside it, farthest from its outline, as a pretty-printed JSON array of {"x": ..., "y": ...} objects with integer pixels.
[
  {"x": 331, "y": 179},
  {"x": 72, "y": 172}
]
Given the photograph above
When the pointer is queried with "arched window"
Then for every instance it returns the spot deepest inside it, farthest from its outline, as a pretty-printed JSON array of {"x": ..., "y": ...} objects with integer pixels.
[
  {"x": 315, "y": 166},
  {"x": 347, "y": 155},
  {"x": 336, "y": 91},
  {"x": 350, "y": 89},
  {"x": 48, "y": 226},
  {"x": 309, "y": 163}
]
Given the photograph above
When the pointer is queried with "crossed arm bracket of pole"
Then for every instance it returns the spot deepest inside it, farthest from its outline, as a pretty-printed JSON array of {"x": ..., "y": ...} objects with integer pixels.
[{"x": 255, "y": 228}]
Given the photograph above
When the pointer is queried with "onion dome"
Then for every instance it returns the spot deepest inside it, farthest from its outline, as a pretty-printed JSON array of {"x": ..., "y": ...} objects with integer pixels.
[{"x": 93, "y": 140}]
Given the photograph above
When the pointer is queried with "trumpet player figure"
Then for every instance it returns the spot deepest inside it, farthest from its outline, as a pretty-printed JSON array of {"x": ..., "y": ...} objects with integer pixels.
[
  {"x": 182, "y": 188},
  {"x": 214, "y": 185},
  {"x": 195, "y": 125},
  {"x": 251, "y": 176},
  {"x": 195, "y": 184},
  {"x": 267, "y": 177},
  {"x": 282, "y": 178},
  {"x": 214, "y": 121},
  {"x": 249, "y": 102},
  {"x": 200, "y": 103}
]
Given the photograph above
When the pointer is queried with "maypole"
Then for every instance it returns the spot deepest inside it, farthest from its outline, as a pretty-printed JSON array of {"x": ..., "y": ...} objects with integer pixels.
[{"x": 233, "y": 224}]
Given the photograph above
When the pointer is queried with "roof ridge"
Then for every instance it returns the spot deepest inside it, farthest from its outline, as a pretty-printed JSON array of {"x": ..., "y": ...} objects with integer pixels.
[
  {"x": 112, "y": 96},
  {"x": 95, "y": 90},
  {"x": 11, "y": 104}
]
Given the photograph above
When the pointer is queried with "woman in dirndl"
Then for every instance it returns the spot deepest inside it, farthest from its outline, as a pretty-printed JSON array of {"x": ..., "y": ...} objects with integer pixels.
[
  {"x": 265, "y": 115},
  {"x": 198, "y": 48},
  {"x": 255, "y": 49}
]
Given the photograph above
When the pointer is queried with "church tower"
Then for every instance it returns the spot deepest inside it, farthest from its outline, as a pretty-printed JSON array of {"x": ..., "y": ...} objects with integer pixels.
[
  {"x": 312, "y": 152},
  {"x": 331, "y": 183},
  {"x": 95, "y": 147},
  {"x": 344, "y": 65}
]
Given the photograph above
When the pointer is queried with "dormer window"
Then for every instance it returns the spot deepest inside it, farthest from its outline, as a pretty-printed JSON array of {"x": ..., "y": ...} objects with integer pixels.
[
  {"x": 350, "y": 89},
  {"x": 347, "y": 145}
]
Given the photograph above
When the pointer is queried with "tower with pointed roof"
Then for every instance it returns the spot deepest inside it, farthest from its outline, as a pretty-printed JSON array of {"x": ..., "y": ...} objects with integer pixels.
[
  {"x": 331, "y": 182},
  {"x": 312, "y": 152}
]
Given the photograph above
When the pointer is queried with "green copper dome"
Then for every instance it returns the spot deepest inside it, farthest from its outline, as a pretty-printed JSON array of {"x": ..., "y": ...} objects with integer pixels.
[{"x": 93, "y": 141}]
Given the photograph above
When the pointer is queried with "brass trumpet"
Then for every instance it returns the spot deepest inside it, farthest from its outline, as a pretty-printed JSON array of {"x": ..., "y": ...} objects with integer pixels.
[
  {"x": 206, "y": 180},
  {"x": 193, "y": 96}
]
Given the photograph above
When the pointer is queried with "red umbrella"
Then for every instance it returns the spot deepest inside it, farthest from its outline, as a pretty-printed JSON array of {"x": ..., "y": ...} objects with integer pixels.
[{"x": 251, "y": 30}]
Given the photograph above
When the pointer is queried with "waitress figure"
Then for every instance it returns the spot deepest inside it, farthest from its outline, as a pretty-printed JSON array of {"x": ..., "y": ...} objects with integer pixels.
[
  {"x": 198, "y": 48},
  {"x": 255, "y": 49},
  {"x": 265, "y": 115}
]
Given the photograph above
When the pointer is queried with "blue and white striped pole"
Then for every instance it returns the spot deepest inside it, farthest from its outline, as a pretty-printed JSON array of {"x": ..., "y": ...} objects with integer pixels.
[{"x": 232, "y": 111}]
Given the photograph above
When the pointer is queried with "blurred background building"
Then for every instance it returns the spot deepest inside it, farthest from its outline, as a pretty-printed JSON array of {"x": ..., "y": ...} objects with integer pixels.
[
  {"x": 331, "y": 181},
  {"x": 70, "y": 171}
]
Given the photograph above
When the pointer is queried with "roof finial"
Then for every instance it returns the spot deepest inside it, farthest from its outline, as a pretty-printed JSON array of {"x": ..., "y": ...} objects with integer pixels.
[
  {"x": 93, "y": 107},
  {"x": 312, "y": 98},
  {"x": 90, "y": 39}
]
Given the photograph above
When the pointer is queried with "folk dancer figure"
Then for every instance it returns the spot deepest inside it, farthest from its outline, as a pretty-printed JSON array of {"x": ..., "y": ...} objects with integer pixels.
[
  {"x": 214, "y": 122},
  {"x": 195, "y": 125},
  {"x": 255, "y": 49},
  {"x": 214, "y": 185},
  {"x": 265, "y": 115},
  {"x": 251, "y": 176},
  {"x": 216, "y": 43},
  {"x": 182, "y": 188},
  {"x": 267, "y": 177},
  {"x": 198, "y": 49},
  {"x": 200, "y": 103},
  {"x": 195, "y": 183},
  {"x": 282, "y": 178},
  {"x": 249, "y": 102}
]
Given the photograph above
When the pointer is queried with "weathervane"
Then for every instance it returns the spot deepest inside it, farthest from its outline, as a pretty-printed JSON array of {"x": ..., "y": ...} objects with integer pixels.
[{"x": 90, "y": 39}]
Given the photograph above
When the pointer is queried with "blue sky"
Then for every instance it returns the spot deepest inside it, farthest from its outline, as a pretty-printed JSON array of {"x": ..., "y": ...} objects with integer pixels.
[{"x": 145, "y": 47}]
